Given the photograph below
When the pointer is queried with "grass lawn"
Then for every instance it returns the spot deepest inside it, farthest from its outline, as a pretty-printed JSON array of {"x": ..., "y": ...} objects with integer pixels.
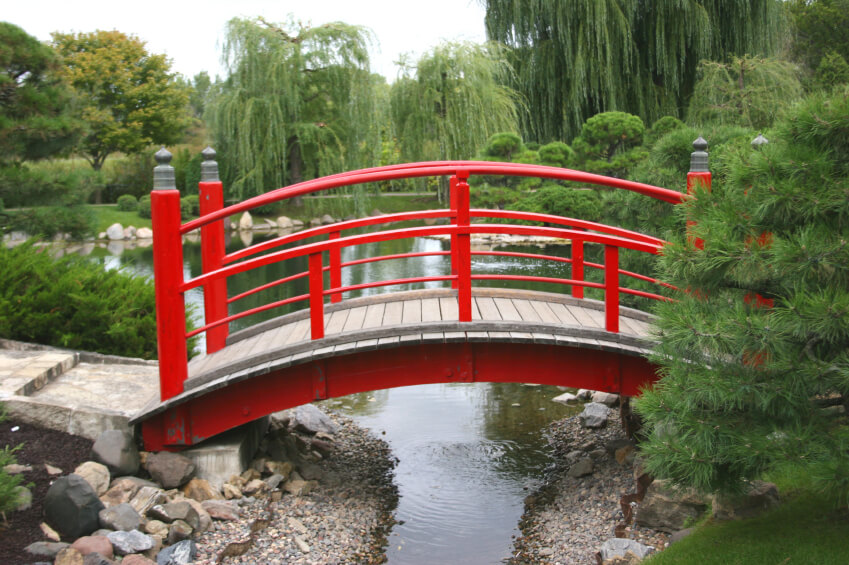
[
  {"x": 805, "y": 529},
  {"x": 108, "y": 214}
]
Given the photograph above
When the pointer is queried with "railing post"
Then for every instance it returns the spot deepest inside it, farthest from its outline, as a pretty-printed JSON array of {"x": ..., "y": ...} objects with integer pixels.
[
  {"x": 611, "y": 288},
  {"x": 453, "y": 207},
  {"x": 464, "y": 249},
  {"x": 699, "y": 175},
  {"x": 168, "y": 278},
  {"x": 316, "y": 271},
  {"x": 577, "y": 266},
  {"x": 335, "y": 260},
  {"x": 211, "y": 193}
]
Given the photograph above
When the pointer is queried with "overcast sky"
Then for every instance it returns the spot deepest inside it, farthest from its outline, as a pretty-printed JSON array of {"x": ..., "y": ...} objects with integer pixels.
[{"x": 191, "y": 32}]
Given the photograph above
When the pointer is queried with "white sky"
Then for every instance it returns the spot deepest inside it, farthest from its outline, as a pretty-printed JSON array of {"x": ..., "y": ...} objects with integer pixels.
[{"x": 190, "y": 32}]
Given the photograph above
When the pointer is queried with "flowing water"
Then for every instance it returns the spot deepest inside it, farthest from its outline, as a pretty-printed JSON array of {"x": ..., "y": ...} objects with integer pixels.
[{"x": 468, "y": 453}]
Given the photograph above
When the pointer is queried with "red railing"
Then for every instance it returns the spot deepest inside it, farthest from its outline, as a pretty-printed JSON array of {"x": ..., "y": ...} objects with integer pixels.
[{"x": 218, "y": 266}]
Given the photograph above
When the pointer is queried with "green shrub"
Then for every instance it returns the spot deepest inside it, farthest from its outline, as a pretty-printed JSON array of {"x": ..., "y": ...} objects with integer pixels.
[
  {"x": 194, "y": 202},
  {"x": 144, "y": 207},
  {"x": 48, "y": 221},
  {"x": 75, "y": 303},
  {"x": 128, "y": 203},
  {"x": 37, "y": 186},
  {"x": 564, "y": 201},
  {"x": 185, "y": 208}
]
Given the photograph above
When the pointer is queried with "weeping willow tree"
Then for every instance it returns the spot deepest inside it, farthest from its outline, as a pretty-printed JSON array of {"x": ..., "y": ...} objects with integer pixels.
[
  {"x": 448, "y": 104},
  {"x": 298, "y": 104},
  {"x": 576, "y": 58}
]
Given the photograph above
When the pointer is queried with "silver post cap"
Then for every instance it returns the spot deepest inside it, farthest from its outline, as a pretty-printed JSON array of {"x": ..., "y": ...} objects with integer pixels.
[
  {"x": 163, "y": 173},
  {"x": 209, "y": 167},
  {"x": 699, "y": 157}
]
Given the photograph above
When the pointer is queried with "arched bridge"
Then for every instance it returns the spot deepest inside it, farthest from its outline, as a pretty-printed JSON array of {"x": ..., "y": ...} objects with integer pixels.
[{"x": 338, "y": 345}]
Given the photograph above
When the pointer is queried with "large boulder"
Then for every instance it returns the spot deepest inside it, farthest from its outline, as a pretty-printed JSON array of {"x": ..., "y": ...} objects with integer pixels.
[
  {"x": 170, "y": 470},
  {"x": 620, "y": 548},
  {"x": 96, "y": 474},
  {"x": 121, "y": 517},
  {"x": 246, "y": 223},
  {"x": 115, "y": 232},
  {"x": 180, "y": 553},
  {"x": 117, "y": 450},
  {"x": 669, "y": 510},
  {"x": 71, "y": 506},
  {"x": 594, "y": 415},
  {"x": 606, "y": 398},
  {"x": 133, "y": 541},
  {"x": 94, "y": 544},
  {"x": 308, "y": 418}
]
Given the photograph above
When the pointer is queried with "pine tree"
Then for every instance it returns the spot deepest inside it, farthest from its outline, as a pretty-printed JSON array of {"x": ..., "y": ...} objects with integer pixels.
[
  {"x": 754, "y": 353},
  {"x": 577, "y": 58}
]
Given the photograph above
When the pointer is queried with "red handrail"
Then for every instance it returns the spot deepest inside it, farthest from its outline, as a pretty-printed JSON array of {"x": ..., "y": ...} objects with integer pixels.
[{"x": 219, "y": 266}]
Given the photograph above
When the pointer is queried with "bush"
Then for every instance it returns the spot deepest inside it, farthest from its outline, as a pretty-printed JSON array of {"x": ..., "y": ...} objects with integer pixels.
[
  {"x": 144, "y": 207},
  {"x": 28, "y": 186},
  {"x": 74, "y": 303},
  {"x": 128, "y": 203},
  {"x": 564, "y": 201},
  {"x": 49, "y": 221},
  {"x": 8, "y": 483},
  {"x": 194, "y": 203},
  {"x": 185, "y": 208}
]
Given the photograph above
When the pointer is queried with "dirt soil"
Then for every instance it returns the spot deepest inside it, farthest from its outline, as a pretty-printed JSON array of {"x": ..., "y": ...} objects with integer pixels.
[{"x": 40, "y": 446}]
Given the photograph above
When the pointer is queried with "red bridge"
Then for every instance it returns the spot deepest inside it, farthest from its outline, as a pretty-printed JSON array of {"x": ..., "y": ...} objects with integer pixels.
[{"x": 337, "y": 346}]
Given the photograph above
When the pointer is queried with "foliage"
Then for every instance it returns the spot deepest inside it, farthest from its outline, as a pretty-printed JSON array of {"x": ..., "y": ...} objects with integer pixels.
[
  {"x": 144, "y": 209},
  {"x": 127, "y": 96},
  {"x": 563, "y": 201},
  {"x": 576, "y": 59},
  {"x": 50, "y": 221},
  {"x": 832, "y": 71},
  {"x": 27, "y": 185},
  {"x": 75, "y": 303},
  {"x": 661, "y": 127},
  {"x": 453, "y": 103},
  {"x": 502, "y": 146},
  {"x": 819, "y": 28},
  {"x": 128, "y": 203},
  {"x": 760, "y": 340},
  {"x": 34, "y": 121},
  {"x": 189, "y": 206},
  {"x": 299, "y": 103},
  {"x": 556, "y": 154},
  {"x": 9, "y": 484},
  {"x": 746, "y": 91},
  {"x": 609, "y": 144}
]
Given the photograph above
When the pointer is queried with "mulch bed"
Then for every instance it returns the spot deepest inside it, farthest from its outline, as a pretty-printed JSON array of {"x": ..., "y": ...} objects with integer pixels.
[{"x": 40, "y": 446}]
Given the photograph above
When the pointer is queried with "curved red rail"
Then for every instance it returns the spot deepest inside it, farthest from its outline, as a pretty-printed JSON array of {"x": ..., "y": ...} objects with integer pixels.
[{"x": 325, "y": 256}]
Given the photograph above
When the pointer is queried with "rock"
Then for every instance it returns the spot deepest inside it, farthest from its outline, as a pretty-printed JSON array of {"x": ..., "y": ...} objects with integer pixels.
[
  {"x": 170, "y": 470},
  {"x": 584, "y": 394},
  {"x": 285, "y": 222},
  {"x": 156, "y": 527},
  {"x": 303, "y": 546},
  {"x": 173, "y": 511},
  {"x": 49, "y": 532},
  {"x": 679, "y": 535},
  {"x": 618, "y": 547},
  {"x": 129, "y": 232},
  {"x": 94, "y": 544},
  {"x": 297, "y": 223},
  {"x": 95, "y": 558},
  {"x": 594, "y": 415},
  {"x": 274, "y": 481},
  {"x": 45, "y": 549},
  {"x": 760, "y": 497},
  {"x": 204, "y": 519},
  {"x": 181, "y": 553},
  {"x": 605, "y": 398},
  {"x": 96, "y": 474},
  {"x": 16, "y": 469},
  {"x": 121, "y": 517},
  {"x": 327, "y": 219},
  {"x": 246, "y": 223},
  {"x": 146, "y": 498},
  {"x": 69, "y": 556},
  {"x": 125, "y": 543},
  {"x": 669, "y": 510},
  {"x": 220, "y": 510},
  {"x": 231, "y": 491},
  {"x": 377, "y": 212},
  {"x": 121, "y": 490},
  {"x": 299, "y": 487},
  {"x": 270, "y": 223},
  {"x": 315, "y": 222},
  {"x": 144, "y": 233},
  {"x": 178, "y": 531},
  {"x": 200, "y": 490},
  {"x": 117, "y": 450},
  {"x": 565, "y": 398},
  {"x": 614, "y": 445},
  {"x": 581, "y": 468},
  {"x": 308, "y": 418},
  {"x": 24, "y": 498},
  {"x": 71, "y": 506},
  {"x": 283, "y": 468},
  {"x": 115, "y": 232},
  {"x": 137, "y": 559},
  {"x": 51, "y": 470},
  {"x": 625, "y": 455},
  {"x": 311, "y": 472},
  {"x": 254, "y": 487}
]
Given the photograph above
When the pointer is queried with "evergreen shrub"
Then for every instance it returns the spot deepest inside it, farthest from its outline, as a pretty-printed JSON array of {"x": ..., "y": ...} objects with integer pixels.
[
  {"x": 128, "y": 203},
  {"x": 49, "y": 221},
  {"x": 8, "y": 483},
  {"x": 144, "y": 207}
]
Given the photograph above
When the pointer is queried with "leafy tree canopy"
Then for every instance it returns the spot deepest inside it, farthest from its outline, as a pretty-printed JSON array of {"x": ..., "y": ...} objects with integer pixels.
[
  {"x": 755, "y": 351},
  {"x": 33, "y": 121},
  {"x": 610, "y": 143},
  {"x": 821, "y": 27},
  {"x": 576, "y": 58},
  {"x": 127, "y": 97}
]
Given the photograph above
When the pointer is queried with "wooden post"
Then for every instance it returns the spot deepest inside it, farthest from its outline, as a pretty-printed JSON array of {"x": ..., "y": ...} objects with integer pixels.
[
  {"x": 215, "y": 308},
  {"x": 464, "y": 250},
  {"x": 168, "y": 278}
]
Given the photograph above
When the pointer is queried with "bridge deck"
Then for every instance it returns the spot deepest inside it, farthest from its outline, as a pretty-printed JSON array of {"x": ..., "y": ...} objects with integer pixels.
[{"x": 421, "y": 316}]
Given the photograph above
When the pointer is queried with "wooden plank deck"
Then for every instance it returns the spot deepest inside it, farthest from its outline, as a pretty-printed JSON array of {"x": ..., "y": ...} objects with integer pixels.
[{"x": 424, "y": 316}]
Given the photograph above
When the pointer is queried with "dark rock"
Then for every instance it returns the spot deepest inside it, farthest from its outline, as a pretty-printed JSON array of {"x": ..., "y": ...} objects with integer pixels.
[
  {"x": 178, "y": 531},
  {"x": 581, "y": 468},
  {"x": 220, "y": 510},
  {"x": 117, "y": 450},
  {"x": 308, "y": 418},
  {"x": 71, "y": 506},
  {"x": 122, "y": 517},
  {"x": 760, "y": 497},
  {"x": 170, "y": 470},
  {"x": 47, "y": 549},
  {"x": 181, "y": 553},
  {"x": 133, "y": 541},
  {"x": 669, "y": 510},
  {"x": 175, "y": 511}
]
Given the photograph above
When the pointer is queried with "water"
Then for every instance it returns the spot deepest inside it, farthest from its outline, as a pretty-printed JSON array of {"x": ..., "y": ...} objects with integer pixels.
[{"x": 468, "y": 453}]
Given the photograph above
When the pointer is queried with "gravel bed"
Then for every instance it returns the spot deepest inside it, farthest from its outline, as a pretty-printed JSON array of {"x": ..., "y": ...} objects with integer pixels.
[
  {"x": 345, "y": 519},
  {"x": 568, "y": 519}
]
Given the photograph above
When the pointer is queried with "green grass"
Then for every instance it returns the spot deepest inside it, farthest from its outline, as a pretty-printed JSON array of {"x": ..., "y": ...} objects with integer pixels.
[
  {"x": 108, "y": 214},
  {"x": 805, "y": 529}
]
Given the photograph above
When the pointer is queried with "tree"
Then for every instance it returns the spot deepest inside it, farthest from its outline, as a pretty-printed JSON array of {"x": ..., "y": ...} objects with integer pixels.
[
  {"x": 757, "y": 347},
  {"x": 746, "y": 91},
  {"x": 127, "y": 97},
  {"x": 298, "y": 104},
  {"x": 820, "y": 28},
  {"x": 34, "y": 122},
  {"x": 610, "y": 143},
  {"x": 576, "y": 58}
]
